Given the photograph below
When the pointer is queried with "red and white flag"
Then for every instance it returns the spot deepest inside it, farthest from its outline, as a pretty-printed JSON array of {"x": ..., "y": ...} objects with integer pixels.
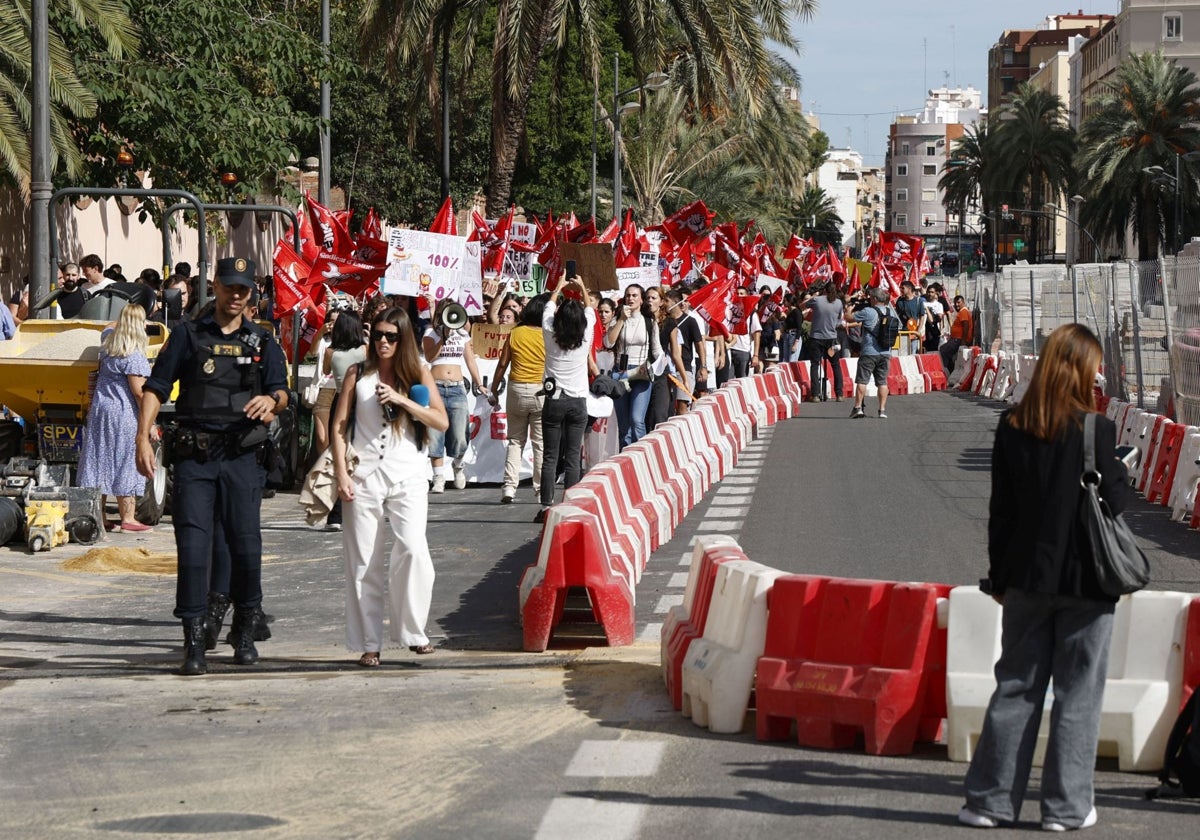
[
  {"x": 445, "y": 220},
  {"x": 688, "y": 222},
  {"x": 329, "y": 231}
]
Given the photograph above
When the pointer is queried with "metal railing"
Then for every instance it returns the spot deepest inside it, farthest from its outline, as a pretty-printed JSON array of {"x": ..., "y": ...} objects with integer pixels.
[{"x": 1146, "y": 314}]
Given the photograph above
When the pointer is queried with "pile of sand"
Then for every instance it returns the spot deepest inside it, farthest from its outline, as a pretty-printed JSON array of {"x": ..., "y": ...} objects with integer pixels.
[{"x": 119, "y": 561}]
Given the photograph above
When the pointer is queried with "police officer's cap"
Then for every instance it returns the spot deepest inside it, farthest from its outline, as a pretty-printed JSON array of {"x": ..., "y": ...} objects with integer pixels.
[{"x": 235, "y": 271}]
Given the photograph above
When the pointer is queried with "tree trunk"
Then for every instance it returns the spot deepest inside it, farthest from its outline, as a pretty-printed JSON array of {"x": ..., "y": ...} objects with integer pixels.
[{"x": 509, "y": 112}]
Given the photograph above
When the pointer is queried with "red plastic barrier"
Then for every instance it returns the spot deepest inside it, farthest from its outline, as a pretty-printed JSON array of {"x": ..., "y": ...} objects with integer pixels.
[
  {"x": 686, "y": 631},
  {"x": 930, "y": 364},
  {"x": 688, "y": 481},
  {"x": 897, "y": 382},
  {"x": 1191, "y": 652},
  {"x": 575, "y": 552},
  {"x": 735, "y": 417},
  {"x": 844, "y": 656},
  {"x": 800, "y": 376},
  {"x": 639, "y": 525},
  {"x": 1163, "y": 477},
  {"x": 1156, "y": 432}
]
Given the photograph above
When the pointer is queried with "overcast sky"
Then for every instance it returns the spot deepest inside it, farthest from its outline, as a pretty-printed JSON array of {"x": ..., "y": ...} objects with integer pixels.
[{"x": 864, "y": 61}]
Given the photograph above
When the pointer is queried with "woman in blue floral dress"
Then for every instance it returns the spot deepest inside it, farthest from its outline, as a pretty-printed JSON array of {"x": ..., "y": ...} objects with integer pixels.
[{"x": 107, "y": 460}]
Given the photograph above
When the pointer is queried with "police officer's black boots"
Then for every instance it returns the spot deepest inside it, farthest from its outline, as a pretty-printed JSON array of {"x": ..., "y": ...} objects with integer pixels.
[
  {"x": 193, "y": 648},
  {"x": 218, "y": 605},
  {"x": 241, "y": 634}
]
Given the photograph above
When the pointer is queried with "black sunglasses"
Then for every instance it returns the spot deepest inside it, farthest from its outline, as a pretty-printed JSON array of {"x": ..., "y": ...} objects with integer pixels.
[{"x": 390, "y": 336}]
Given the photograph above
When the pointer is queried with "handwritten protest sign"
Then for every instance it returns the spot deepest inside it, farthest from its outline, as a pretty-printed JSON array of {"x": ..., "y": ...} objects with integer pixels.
[
  {"x": 420, "y": 263},
  {"x": 642, "y": 276},
  {"x": 593, "y": 262},
  {"x": 487, "y": 340}
]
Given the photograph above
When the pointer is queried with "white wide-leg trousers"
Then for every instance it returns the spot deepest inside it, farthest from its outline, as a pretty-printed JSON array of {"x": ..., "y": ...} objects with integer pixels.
[{"x": 409, "y": 570}]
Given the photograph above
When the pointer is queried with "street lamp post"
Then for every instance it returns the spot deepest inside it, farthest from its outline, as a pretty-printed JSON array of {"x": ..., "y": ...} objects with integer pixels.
[
  {"x": 40, "y": 187},
  {"x": 654, "y": 81},
  {"x": 326, "y": 147}
]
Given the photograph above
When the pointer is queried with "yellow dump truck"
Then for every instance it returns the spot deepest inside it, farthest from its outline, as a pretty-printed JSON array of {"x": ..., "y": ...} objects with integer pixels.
[{"x": 47, "y": 375}]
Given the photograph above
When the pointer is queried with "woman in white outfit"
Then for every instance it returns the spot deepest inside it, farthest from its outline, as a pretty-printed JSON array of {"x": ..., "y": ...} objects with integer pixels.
[{"x": 390, "y": 426}]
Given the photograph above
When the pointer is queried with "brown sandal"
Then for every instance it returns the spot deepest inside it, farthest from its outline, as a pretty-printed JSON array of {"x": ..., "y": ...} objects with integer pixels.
[
  {"x": 421, "y": 650},
  {"x": 369, "y": 660}
]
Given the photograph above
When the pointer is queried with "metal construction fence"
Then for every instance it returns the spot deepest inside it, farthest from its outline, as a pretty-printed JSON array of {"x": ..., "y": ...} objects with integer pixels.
[{"x": 1147, "y": 315}]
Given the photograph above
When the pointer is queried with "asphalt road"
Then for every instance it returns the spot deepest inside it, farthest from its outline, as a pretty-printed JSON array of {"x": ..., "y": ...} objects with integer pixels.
[{"x": 99, "y": 739}]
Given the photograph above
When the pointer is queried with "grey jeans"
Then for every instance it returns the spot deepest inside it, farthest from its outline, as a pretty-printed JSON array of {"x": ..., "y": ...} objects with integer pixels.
[{"x": 1044, "y": 637}]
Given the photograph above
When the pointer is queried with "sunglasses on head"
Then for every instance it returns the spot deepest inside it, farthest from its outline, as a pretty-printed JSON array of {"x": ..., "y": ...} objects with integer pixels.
[{"x": 390, "y": 336}]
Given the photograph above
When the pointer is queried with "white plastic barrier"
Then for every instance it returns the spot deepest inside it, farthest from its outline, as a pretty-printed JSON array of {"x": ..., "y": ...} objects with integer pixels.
[
  {"x": 755, "y": 403},
  {"x": 850, "y": 370},
  {"x": 683, "y": 612},
  {"x": 1142, "y": 691},
  {"x": 1128, "y": 430},
  {"x": 1025, "y": 369},
  {"x": 718, "y": 671},
  {"x": 912, "y": 374},
  {"x": 1115, "y": 407},
  {"x": 972, "y": 648},
  {"x": 1006, "y": 377},
  {"x": 1187, "y": 475}
]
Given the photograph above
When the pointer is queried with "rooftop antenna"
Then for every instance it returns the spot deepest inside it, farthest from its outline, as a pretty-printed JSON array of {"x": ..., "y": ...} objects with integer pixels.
[
  {"x": 954, "y": 54},
  {"x": 925, "y": 68}
]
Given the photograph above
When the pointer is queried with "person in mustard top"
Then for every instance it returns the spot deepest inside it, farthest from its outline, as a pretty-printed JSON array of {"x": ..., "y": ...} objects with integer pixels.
[{"x": 525, "y": 353}]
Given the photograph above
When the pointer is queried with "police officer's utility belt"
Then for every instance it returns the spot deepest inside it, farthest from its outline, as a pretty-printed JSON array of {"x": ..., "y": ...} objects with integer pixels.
[{"x": 198, "y": 445}]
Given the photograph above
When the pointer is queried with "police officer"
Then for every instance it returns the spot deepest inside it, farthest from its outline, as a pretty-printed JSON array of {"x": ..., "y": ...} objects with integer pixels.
[{"x": 232, "y": 382}]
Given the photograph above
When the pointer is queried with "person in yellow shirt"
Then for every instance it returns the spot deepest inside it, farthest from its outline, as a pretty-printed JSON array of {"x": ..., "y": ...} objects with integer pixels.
[{"x": 525, "y": 354}]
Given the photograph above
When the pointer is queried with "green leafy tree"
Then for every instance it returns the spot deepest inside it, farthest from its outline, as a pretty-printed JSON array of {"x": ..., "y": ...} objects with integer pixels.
[
  {"x": 815, "y": 214},
  {"x": 1149, "y": 114},
  {"x": 726, "y": 50},
  {"x": 972, "y": 175},
  {"x": 1034, "y": 150},
  {"x": 219, "y": 86},
  {"x": 111, "y": 31}
]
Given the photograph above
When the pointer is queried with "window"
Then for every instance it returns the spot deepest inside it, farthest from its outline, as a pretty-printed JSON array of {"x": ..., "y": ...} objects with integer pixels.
[
  {"x": 1173, "y": 27},
  {"x": 901, "y": 195},
  {"x": 929, "y": 169},
  {"x": 901, "y": 170},
  {"x": 901, "y": 220},
  {"x": 930, "y": 151},
  {"x": 928, "y": 195},
  {"x": 1007, "y": 84},
  {"x": 903, "y": 148},
  {"x": 1009, "y": 56}
]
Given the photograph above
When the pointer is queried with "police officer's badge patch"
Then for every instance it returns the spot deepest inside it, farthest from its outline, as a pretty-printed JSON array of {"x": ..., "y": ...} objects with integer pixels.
[
  {"x": 210, "y": 367},
  {"x": 240, "y": 265}
]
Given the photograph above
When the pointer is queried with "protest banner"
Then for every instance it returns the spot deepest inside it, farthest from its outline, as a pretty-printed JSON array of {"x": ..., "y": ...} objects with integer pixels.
[
  {"x": 487, "y": 340},
  {"x": 593, "y": 262},
  {"x": 420, "y": 263},
  {"x": 642, "y": 276}
]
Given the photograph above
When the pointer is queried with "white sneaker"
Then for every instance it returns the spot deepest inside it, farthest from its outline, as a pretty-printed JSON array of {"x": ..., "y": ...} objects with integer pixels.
[
  {"x": 971, "y": 817},
  {"x": 506, "y": 498},
  {"x": 460, "y": 477},
  {"x": 1054, "y": 825},
  {"x": 439, "y": 484}
]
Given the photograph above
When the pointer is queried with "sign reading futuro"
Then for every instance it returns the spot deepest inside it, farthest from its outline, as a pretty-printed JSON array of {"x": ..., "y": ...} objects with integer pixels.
[{"x": 421, "y": 263}]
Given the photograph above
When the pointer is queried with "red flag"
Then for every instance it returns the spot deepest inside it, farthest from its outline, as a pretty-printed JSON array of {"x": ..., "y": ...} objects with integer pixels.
[
  {"x": 835, "y": 262},
  {"x": 794, "y": 248},
  {"x": 629, "y": 248},
  {"x": 495, "y": 247},
  {"x": 331, "y": 235},
  {"x": 741, "y": 308},
  {"x": 583, "y": 234},
  {"x": 480, "y": 229},
  {"x": 347, "y": 275},
  {"x": 290, "y": 280},
  {"x": 309, "y": 247},
  {"x": 314, "y": 317},
  {"x": 689, "y": 222},
  {"x": 370, "y": 250},
  {"x": 372, "y": 226},
  {"x": 609, "y": 234},
  {"x": 712, "y": 300},
  {"x": 445, "y": 221}
]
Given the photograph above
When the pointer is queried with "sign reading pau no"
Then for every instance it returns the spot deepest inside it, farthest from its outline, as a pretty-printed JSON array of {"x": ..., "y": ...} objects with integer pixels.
[{"x": 420, "y": 262}]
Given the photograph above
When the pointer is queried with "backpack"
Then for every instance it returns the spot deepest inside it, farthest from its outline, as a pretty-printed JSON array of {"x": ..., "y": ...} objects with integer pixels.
[
  {"x": 887, "y": 330},
  {"x": 1181, "y": 759}
]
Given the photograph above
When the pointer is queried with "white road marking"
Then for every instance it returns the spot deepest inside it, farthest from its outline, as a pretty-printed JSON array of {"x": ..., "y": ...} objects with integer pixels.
[
  {"x": 678, "y": 580},
  {"x": 610, "y": 759},
  {"x": 666, "y": 602},
  {"x": 581, "y": 818},
  {"x": 652, "y": 632},
  {"x": 728, "y": 526}
]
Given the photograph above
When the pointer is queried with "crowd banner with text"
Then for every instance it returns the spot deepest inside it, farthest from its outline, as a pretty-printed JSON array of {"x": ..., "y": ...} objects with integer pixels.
[
  {"x": 488, "y": 340},
  {"x": 420, "y": 262},
  {"x": 593, "y": 262},
  {"x": 642, "y": 276}
]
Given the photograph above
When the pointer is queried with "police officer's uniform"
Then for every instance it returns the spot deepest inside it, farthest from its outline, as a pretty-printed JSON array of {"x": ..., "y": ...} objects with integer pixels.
[{"x": 217, "y": 453}]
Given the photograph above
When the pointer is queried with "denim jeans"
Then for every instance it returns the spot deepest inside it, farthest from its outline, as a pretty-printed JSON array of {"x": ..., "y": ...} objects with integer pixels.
[
  {"x": 631, "y": 411},
  {"x": 563, "y": 422},
  {"x": 790, "y": 345},
  {"x": 1044, "y": 637},
  {"x": 453, "y": 441}
]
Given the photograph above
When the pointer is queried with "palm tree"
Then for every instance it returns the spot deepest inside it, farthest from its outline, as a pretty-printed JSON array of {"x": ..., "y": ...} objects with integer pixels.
[
  {"x": 69, "y": 98},
  {"x": 815, "y": 213},
  {"x": 1034, "y": 150},
  {"x": 1146, "y": 117},
  {"x": 723, "y": 45},
  {"x": 971, "y": 174},
  {"x": 742, "y": 165}
]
